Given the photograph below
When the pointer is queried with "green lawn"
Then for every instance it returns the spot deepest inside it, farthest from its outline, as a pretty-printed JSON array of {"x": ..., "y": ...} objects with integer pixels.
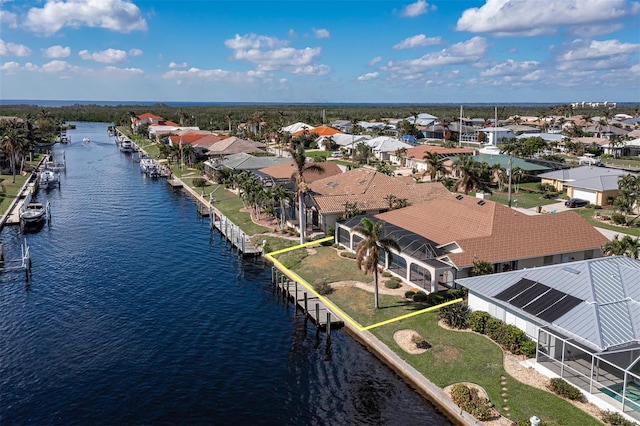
[
  {"x": 9, "y": 189},
  {"x": 526, "y": 200},
  {"x": 589, "y": 214},
  {"x": 468, "y": 357}
]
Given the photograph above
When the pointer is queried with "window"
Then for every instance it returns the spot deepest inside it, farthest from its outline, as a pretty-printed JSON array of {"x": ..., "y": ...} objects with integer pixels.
[
  {"x": 588, "y": 254},
  {"x": 548, "y": 260}
]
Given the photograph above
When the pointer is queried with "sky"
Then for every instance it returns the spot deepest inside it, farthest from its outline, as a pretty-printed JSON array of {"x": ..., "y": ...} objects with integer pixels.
[{"x": 321, "y": 51}]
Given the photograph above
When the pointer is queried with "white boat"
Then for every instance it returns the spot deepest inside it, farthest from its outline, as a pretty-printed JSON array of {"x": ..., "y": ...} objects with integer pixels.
[
  {"x": 86, "y": 140},
  {"x": 126, "y": 146},
  {"x": 33, "y": 213},
  {"x": 49, "y": 179},
  {"x": 148, "y": 165}
]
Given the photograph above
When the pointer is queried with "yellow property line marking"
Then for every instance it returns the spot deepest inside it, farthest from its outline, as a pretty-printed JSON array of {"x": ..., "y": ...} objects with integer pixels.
[{"x": 289, "y": 273}]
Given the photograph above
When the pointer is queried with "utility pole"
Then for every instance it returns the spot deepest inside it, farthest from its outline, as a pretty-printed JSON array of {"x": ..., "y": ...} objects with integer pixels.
[{"x": 510, "y": 174}]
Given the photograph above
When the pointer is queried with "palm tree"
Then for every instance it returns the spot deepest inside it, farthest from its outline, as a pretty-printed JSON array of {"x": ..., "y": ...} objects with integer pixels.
[
  {"x": 228, "y": 117},
  {"x": 281, "y": 195},
  {"x": 435, "y": 165},
  {"x": 469, "y": 174},
  {"x": 400, "y": 155},
  {"x": 368, "y": 250},
  {"x": 12, "y": 141},
  {"x": 301, "y": 167},
  {"x": 481, "y": 267},
  {"x": 625, "y": 246}
]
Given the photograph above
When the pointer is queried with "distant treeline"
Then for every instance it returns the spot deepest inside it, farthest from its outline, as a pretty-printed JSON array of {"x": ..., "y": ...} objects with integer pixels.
[{"x": 219, "y": 117}]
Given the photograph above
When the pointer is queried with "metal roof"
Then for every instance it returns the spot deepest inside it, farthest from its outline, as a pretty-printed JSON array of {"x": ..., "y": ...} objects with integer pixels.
[{"x": 605, "y": 293}]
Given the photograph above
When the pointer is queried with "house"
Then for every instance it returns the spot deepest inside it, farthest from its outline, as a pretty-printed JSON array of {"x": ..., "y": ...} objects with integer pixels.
[
  {"x": 235, "y": 145},
  {"x": 585, "y": 317},
  {"x": 366, "y": 190},
  {"x": 414, "y": 157},
  {"x": 320, "y": 131},
  {"x": 296, "y": 127},
  {"x": 591, "y": 183},
  {"x": 496, "y": 135},
  {"x": 242, "y": 161},
  {"x": 282, "y": 173},
  {"x": 342, "y": 140},
  {"x": 442, "y": 237},
  {"x": 383, "y": 147},
  {"x": 504, "y": 162}
]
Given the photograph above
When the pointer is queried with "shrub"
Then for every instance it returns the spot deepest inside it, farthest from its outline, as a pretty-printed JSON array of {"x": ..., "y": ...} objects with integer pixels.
[
  {"x": 386, "y": 274},
  {"x": 199, "y": 182},
  {"x": 469, "y": 400},
  {"x": 528, "y": 348},
  {"x": 565, "y": 389},
  {"x": 393, "y": 282},
  {"x": 619, "y": 219},
  {"x": 492, "y": 328},
  {"x": 409, "y": 294},
  {"x": 478, "y": 321},
  {"x": 420, "y": 342},
  {"x": 323, "y": 288},
  {"x": 455, "y": 316},
  {"x": 527, "y": 422},
  {"x": 420, "y": 297},
  {"x": 331, "y": 231},
  {"x": 435, "y": 298},
  {"x": 615, "y": 418}
]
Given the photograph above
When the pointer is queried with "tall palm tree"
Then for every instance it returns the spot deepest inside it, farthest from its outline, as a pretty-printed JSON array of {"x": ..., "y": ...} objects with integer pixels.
[
  {"x": 301, "y": 167},
  {"x": 469, "y": 174},
  {"x": 400, "y": 155},
  {"x": 228, "y": 116},
  {"x": 625, "y": 246},
  {"x": 12, "y": 141},
  {"x": 281, "y": 195},
  {"x": 368, "y": 250},
  {"x": 435, "y": 165}
]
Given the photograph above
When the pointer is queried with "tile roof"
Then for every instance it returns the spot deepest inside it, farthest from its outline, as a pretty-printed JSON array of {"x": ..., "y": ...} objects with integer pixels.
[
  {"x": 320, "y": 131},
  {"x": 244, "y": 161},
  {"x": 421, "y": 150},
  {"x": 368, "y": 189},
  {"x": 582, "y": 172},
  {"x": 235, "y": 145},
  {"x": 286, "y": 170},
  {"x": 149, "y": 115},
  {"x": 493, "y": 232}
]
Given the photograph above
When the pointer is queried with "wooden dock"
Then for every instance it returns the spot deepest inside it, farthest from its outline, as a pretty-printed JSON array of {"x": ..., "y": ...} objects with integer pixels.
[
  {"x": 232, "y": 233},
  {"x": 306, "y": 301}
]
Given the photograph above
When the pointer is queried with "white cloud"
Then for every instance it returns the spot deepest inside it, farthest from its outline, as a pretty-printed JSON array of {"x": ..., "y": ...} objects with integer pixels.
[
  {"x": 108, "y": 56},
  {"x": 30, "y": 67},
  {"x": 368, "y": 76},
  {"x": 375, "y": 60},
  {"x": 270, "y": 54},
  {"x": 116, "y": 15},
  {"x": 10, "y": 66},
  {"x": 13, "y": 49},
  {"x": 531, "y": 18},
  {"x": 57, "y": 66},
  {"x": 599, "y": 49},
  {"x": 197, "y": 74},
  {"x": 466, "y": 52},
  {"x": 9, "y": 19},
  {"x": 56, "y": 51},
  {"x": 416, "y": 41},
  {"x": 135, "y": 52},
  {"x": 312, "y": 70},
  {"x": 511, "y": 67},
  {"x": 415, "y": 9},
  {"x": 111, "y": 68},
  {"x": 174, "y": 65},
  {"x": 321, "y": 33}
]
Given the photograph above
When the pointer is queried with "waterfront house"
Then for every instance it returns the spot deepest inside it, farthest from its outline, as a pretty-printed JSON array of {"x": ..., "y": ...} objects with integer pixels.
[
  {"x": 585, "y": 317},
  {"x": 240, "y": 162},
  {"x": 235, "y": 145},
  {"x": 414, "y": 157},
  {"x": 441, "y": 238},
  {"x": 384, "y": 147},
  {"x": 363, "y": 190}
]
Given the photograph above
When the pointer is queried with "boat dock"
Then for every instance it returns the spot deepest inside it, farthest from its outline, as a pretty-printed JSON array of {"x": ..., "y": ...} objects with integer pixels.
[
  {"x": 232, "y": 233},
  {"x": 306, "y": 301}
]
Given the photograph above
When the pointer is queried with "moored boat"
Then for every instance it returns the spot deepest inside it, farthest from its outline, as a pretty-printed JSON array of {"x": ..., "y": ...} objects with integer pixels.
[
  {"x": 33, "y": 214},
  {"x": 49, "y": 179},
  {"x": 126, "y": 146}
]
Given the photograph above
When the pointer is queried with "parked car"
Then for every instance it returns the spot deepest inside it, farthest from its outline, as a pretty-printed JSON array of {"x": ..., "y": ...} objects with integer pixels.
[
  {"x": 575, "y": 202},
  {"x": 336, "y": 154}
]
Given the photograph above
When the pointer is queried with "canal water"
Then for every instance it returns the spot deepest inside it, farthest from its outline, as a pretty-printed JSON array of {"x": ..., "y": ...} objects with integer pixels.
[{"x": 134, "y": 314}]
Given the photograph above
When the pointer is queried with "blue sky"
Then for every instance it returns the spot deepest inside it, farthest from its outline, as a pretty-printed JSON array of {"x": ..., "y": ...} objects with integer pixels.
[{"x": 447, "y": 51}]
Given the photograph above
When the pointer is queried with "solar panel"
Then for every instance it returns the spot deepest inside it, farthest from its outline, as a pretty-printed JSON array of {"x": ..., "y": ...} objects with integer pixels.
[
  {"x": 511, "y": 292},
  {"x": 539, "y": 300},
  {"x": 529, "y": 295}
]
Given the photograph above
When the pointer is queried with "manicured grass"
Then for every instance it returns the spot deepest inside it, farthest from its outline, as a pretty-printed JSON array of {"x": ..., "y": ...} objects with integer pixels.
[
  {"x": 358, "y": 304},
  {"x": 327, "y": 264},
  {"x": 9, "y": 189},
  {"x": 318, "y": 155},
  {"x": 589, "y": 214},
  {"x": 457, "y": 356},
  {"x": 526, "y": 200}
]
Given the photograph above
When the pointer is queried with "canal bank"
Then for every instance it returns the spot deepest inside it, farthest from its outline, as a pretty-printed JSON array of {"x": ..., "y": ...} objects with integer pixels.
[
  {"x": 409, "y": 374},
  {"x": 136, "y": 314}
]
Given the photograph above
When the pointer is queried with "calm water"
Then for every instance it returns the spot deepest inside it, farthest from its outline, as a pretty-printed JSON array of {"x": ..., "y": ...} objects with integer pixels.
[{"x": 135, "y": 315}]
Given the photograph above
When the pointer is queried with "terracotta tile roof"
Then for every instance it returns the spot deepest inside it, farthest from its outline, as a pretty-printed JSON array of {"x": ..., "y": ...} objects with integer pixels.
[
  {"x": 420, "y": 151},
  {"x": 320, "y": 131},
  {"x": 189, "y": 138},
  {"x": 149, "y": 115},
  {"x": 286, "y": 170},
  {"x": 170, "y": 123},
  {"x": 369, "y": 189},
  {"x": 493, "y": 232},
  {"x": 207, "y": 141}
]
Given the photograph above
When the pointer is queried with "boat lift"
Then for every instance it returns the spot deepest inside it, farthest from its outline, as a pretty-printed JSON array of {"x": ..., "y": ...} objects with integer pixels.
[{"x": 23, "y": 263}]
